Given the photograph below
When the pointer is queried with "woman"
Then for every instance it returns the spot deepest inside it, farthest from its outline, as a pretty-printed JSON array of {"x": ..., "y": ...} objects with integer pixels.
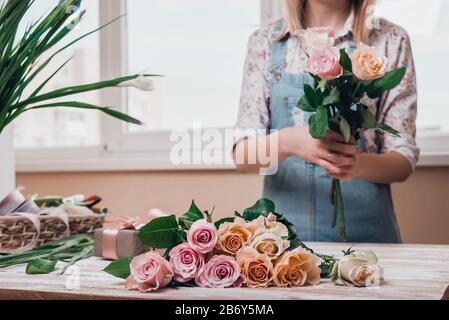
[{"x": 275, "y": 72}]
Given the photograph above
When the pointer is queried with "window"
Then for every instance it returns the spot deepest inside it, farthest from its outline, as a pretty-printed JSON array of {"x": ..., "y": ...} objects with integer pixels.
[
  {"x": 199, "y": 47},
  {"x": 65, "y": 127},
  {"x": 428, "y": 27}
]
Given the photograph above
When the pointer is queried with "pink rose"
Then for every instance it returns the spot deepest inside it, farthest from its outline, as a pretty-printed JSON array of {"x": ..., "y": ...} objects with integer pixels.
[
  {"x": 149, "y": 271},
  {"x": 326, "y": 63},
  {"x": 187, "y": 262},
  {"x": 202, "y": 236},
  {"x": 220, "y": 272}
]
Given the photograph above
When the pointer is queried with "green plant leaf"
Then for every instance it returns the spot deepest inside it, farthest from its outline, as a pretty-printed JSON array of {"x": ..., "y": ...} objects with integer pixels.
[
  {"x": 345, "y": 129},
  {"x": 80, "y": 105},
  {"x": 311, "y": 95},
  {"x": 318, "y": 123},
  {"x": 261, "y": 207},
  {"x": 221, "y": 221},
  {"x": 387, "y": 82},
  {"x": 383, "y": 128},
  {"x": 192, "y": 215},
  {"x": 333, "y": 97},
  {"x": 160, "y": 233},
  {"x": 40, "y": 266},
  {"x": 345, "y": 61},
  {"x": 369, "y": 121},
  {"x": 305, "y": 105},
  {"x": 119, "y": 268}
]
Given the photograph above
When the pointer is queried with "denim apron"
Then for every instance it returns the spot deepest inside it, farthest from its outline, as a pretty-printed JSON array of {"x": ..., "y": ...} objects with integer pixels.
[{"x": 301, "y": 190}]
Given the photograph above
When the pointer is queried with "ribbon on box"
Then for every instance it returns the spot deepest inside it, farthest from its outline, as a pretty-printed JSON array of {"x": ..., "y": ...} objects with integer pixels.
[{"x": 113, "y": 225}]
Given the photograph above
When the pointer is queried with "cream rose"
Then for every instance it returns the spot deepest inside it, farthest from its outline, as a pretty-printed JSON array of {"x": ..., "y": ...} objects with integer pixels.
[
  {"x": 296, "y": 268},
  {"x": 360, "y": 270},
  {"x": 270, "y": 244},
  {"x": 255, "y": 267},
  {"x": 317, "y": 39},
  {"x": 368, "y": 64},
  {"x": 232, "y": 236}
]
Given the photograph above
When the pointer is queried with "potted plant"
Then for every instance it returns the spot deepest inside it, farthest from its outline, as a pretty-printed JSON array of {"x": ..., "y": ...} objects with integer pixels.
[{"x": 24, "y": 56}]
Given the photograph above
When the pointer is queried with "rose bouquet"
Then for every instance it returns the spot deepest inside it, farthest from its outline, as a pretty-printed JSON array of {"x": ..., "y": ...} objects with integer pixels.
[
  {"x": 342, "y": 85},
  {"x": 257, "y": 249}
]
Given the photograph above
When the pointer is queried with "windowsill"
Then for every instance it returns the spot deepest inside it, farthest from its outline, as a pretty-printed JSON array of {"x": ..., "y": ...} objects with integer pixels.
[{"x": 153, "y": 162}]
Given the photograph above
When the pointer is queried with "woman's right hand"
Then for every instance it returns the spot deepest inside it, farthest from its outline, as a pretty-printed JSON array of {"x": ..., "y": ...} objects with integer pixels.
[{"x": 332, "y": 153}]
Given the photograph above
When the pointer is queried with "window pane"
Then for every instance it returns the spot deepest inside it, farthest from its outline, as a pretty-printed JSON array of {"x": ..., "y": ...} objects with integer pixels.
[
  {"x": 65, "y": 127},
  {"x": 199, "y": 46},
  {"x": 428, "y": 26}
]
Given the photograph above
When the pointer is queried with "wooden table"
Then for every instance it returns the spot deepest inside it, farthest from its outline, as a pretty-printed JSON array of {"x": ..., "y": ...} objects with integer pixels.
[{"x": 411, "y": 272}]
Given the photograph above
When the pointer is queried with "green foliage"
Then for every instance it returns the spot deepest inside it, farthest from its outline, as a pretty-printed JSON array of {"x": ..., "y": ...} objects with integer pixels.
[
  {"x": 23, "y": 58},
  {"x": 318, "y": 123},
  {"x": 192, "y": 215},
  {"x": 345, "y": 61},
  {"x": 261, "y": 207},
  {"x": 221, "y": 221},
  {"x": 119, "y": 268},
  {"x": 387, "y": 82},
  {"x": 41, "y": 259},
  {"x": 345, "y": 129},
  {"x": 40, "y": 266},
  {"x": 161, "y": 233}
]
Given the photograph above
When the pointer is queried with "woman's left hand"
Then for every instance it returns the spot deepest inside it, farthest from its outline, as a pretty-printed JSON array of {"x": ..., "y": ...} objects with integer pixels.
[{"x": 348, "y": 172}]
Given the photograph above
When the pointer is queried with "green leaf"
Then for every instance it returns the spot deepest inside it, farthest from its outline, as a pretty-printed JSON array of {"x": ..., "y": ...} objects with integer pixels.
[
  {"x": 192, "y": 215},
  {"x": 318, "y": 123},
  {"x": 311, "y": 95},
  {"x": 387, "y": 82},
  {"x": 220, "y": 222},
  {"x": 333, "y": 97},
  {"x": 383, "y": 128},
  {"x": 261, "y": 207},
  {"x": 305, "y": 105},
  {"x": 80, "y": 105},
  {"x": 160, "y": 233},
  {"x": 40, "y": 266},
  {"x": 345, "y": 61},
  {"x": 315, "y": 78},
  {"x": 369, "y": 121},
  {"x": 119, "y": 268},
  {"x": 345, "y": 129}
]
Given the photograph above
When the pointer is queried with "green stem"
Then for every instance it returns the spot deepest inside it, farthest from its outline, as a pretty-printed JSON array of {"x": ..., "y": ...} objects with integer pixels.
[
  {"x": 342, "y": 211},
  {"x": 334, "y": 203}
]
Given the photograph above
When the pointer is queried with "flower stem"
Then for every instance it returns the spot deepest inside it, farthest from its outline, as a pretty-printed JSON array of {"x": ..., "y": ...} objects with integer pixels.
[{"x": 338, "y": 208}]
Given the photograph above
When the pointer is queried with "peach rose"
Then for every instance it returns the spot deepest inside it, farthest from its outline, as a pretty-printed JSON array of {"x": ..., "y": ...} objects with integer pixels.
[
  {"x": 360, "y": 270},
  {"x": 149, "y": 272},
  {"x": 270, "y": 244},
  {"x": 296, "y": 268},
  {"x": 232, "y": 236},
  {"x": 257, "y": 268},
  {"x": 325, "y": 64},
  {"x": 202, "y": 236},
  {"x": 368, "y": 64}
]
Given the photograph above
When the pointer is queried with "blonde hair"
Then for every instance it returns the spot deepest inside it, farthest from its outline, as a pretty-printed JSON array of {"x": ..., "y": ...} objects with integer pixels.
[{"x": 294, "y": 18}]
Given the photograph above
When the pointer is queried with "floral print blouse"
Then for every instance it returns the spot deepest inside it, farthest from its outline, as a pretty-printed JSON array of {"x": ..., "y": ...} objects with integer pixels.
[{"x": 396, "y": 108}]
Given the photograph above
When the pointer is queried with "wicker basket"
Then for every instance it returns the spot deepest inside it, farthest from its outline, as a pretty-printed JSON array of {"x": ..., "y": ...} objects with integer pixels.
[{"x": 18, "y": 232}]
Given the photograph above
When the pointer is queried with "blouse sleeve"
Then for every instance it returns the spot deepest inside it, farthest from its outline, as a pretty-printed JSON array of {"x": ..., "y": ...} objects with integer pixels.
[
  {"x": 254, "y": 116},
  {"x": 400, "y": 104}
]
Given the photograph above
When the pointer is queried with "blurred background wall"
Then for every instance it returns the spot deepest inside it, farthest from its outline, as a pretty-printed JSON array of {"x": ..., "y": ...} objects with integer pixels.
[{"x": 422, "y": 203}]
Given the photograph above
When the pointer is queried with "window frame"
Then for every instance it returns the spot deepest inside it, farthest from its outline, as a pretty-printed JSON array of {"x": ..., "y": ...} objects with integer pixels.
[{"x": 120, "y": 151}]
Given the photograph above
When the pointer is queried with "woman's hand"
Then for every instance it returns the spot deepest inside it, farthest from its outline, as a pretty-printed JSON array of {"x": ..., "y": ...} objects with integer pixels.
[{"x": 335, "y": 156}]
